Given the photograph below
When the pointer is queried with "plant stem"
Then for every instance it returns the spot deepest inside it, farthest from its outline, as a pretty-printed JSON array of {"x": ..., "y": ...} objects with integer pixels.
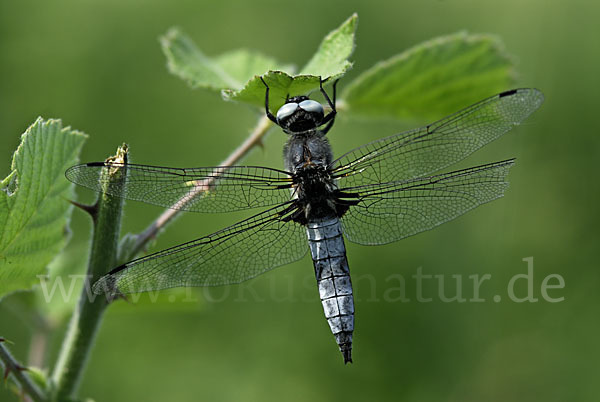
[
  {"x": 19, "y": 374},
  {"x": 88, "y": 314},
  {"x": 255, "y": 138}
]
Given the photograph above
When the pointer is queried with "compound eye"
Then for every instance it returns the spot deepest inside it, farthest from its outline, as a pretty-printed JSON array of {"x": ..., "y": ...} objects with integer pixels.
[
  {"x": 286, "y": 111},
  {"x": 312, "y": 106}
]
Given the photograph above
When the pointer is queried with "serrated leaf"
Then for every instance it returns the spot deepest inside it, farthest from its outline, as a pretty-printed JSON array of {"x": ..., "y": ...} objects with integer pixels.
[
  {"x": 329, "y": 62},
  {"x": 433, "y": 79},
  {"x": 230, "y": 70},
  {"x": 33, "y": 204}
]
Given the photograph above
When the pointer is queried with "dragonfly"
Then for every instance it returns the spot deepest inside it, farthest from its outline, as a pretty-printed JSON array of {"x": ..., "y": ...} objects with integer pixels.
[{"x": 378, "y": 193}]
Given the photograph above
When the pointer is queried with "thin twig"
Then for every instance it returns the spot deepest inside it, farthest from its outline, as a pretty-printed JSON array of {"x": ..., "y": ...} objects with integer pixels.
[
  {"x": 11, "y": 366},
  {"x": 255, "y": 138}
]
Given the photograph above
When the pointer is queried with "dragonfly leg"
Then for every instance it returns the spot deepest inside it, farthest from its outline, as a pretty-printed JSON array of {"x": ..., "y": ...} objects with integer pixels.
[
  {"x": 268, "y": 113},
  {"x": 330, "y": 118}
]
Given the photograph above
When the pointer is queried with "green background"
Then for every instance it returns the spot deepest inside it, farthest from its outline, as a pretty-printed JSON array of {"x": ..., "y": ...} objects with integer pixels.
[{"x": 98, "y": 66}]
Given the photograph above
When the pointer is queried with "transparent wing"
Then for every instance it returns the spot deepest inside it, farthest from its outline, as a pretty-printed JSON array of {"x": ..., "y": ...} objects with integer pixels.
[
  {"x": 425, "y": 150},
  {"x": 231, "y": 255},
  {"x": 391, "y": 211},
  {"x": 229, "y": 188}
]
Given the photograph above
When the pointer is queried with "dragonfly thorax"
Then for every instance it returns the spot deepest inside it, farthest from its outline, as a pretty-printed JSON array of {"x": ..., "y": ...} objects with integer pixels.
[
  {"x": 315, "y": 192},
  {"x": 309, "y": 148},
  {"x": 308, "y": 158},
  {"x": 300, "y": 114}
]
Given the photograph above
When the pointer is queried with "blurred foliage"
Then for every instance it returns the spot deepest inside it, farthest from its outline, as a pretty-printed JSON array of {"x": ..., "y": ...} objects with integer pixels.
[
  {"x": 101, "y": 69},
  {"x": 432, "y": 79}
]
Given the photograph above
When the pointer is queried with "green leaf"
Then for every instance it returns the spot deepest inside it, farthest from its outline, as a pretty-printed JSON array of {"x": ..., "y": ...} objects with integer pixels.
[
  {"x": 34, "y": 207},
  {"x": 280, "y": 85},
  {"x": 329, "y": 62},
  {"x": 230, "y": 70},
  {"x": 237, "y": 73},
  {"x": 243, "y": 65},
  {"x": 432, "y": 79}
]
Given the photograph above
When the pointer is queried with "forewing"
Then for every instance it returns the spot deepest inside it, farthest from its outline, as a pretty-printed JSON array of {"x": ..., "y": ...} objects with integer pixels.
[
  {"x": 391, "y": 211},
  {"x": 424, "y": 151},
  {"x": 204, "y": 189},
  {"x": 231, "y": 255}
]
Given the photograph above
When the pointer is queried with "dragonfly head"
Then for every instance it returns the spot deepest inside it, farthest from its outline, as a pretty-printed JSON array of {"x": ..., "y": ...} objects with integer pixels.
[{"x": 300, "y": 114}]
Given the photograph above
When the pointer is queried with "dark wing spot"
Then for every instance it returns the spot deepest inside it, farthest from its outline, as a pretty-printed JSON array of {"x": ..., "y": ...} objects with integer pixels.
[{"x": 507, "y": 93}]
